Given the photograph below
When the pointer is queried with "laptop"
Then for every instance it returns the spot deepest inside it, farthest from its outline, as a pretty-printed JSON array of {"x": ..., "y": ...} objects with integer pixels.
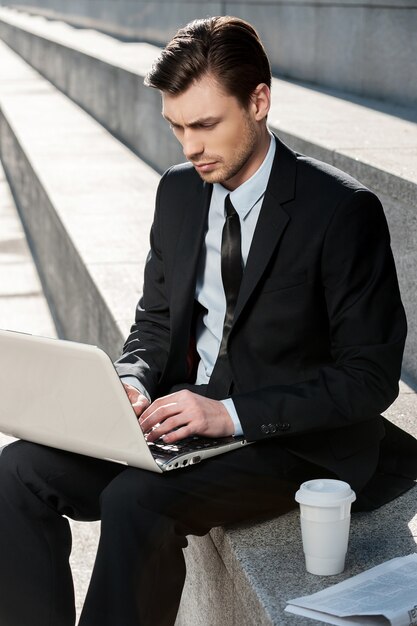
[{"x": 68, "y": 395}]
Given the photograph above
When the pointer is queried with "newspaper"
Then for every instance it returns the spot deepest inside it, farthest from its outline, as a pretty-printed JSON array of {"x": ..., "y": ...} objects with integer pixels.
[{"x": 384, "y": 595}]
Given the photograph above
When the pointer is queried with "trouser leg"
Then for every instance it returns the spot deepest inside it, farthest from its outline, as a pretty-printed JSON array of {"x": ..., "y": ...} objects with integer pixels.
[
  {"x": 139, "y": 571},
  {"x": 39, "y": 485}
]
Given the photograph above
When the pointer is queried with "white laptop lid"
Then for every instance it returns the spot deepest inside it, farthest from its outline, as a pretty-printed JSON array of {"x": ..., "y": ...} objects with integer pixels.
[{"x": 68, "y": 395}]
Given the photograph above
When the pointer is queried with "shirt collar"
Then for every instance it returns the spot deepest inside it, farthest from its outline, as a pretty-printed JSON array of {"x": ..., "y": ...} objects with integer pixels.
[{"x": 251, "y": 191}]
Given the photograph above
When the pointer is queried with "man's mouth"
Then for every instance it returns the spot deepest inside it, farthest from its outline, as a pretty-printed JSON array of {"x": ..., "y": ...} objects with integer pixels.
[{"x": 205, "y": 167}]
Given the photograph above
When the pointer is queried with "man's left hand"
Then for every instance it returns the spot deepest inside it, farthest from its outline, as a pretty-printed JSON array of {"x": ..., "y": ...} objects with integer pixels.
[{"x": 184, "y": 414}]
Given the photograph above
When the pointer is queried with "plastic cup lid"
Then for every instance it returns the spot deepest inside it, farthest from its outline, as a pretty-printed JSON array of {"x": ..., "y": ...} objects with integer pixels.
[{"x": 325, "y": 492}]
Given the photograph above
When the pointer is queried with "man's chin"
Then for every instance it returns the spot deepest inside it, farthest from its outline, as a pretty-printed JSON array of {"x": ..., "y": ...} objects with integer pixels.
[{"x": 216, "y": 176}]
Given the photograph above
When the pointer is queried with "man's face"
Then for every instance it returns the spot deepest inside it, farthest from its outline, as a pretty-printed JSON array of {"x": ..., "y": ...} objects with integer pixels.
[{"x": 219, "y": 137}]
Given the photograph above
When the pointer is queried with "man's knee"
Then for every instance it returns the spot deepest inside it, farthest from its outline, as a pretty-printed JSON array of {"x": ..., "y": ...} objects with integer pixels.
[
  {"x": 13, "y": 459},
  {"x": 12, "y": 456},
  {"x": 133, "y": 512},
  {"x": 21, "y": 457},
  {"x": 137, "y": 494},
  {"x": 4, "y": 467},
  {"x": 129, "y": 490}
]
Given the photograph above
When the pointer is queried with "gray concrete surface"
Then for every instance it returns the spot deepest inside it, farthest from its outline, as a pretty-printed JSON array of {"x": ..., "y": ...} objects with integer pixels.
[
  {"x": 23, "y": 307},
  {"x": 367, "y": 47},
  {"x": 86, "y": 200},
  {"x": 252, "y": 570},
  {"x": 376, "y": 143},
  {"x": 22, "y": 303},
  {"x": 357, "y": 133},
  {"x": 87, "y": 203}
]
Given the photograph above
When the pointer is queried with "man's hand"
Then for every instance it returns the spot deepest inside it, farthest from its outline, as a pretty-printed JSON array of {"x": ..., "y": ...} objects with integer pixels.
[
  {"x": 137, "y": 399},
  {"x": 183, "y": 414}
]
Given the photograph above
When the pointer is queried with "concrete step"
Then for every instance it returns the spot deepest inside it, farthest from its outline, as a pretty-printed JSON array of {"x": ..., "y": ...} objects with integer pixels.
[
  {"x": 353, "y": 45},
  {"x": 102, "y": 74},
  {"x": 23, "y": 307},
  {"x": 251, "y": 571},
  {"x": 353, "y": 133},
  {"x": 373, "y": 141},
  {"x": 86, "y": 202}
]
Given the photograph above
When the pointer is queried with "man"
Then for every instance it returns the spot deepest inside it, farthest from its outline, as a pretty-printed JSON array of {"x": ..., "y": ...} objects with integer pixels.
[{"x": 270, "y": 308}]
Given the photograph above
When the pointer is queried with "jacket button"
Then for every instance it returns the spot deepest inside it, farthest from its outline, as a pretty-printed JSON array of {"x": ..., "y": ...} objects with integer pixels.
[{"x": 265, "y": 429}]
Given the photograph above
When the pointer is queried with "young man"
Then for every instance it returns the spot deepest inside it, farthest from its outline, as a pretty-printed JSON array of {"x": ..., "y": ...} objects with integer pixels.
[{"x": 270, "y": 308}]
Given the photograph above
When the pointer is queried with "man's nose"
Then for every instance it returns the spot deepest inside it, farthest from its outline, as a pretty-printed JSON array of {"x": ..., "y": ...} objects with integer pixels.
[{"x": 192, "y": 146}]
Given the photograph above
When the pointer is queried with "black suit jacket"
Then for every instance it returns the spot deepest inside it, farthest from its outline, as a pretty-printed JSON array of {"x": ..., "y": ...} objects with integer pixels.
[{"x": 319, "y": 329}]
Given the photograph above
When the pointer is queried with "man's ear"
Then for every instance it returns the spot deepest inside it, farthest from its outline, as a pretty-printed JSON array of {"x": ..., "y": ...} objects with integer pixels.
[{"x": 261, "y": 101}]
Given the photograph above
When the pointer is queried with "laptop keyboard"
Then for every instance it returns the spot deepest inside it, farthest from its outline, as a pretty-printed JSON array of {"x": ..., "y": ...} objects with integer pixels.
[{"x": 190, "y": 444}]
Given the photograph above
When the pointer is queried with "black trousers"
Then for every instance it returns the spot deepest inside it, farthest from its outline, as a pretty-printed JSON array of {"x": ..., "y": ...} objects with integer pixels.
[{"x": 145, "y": 518}]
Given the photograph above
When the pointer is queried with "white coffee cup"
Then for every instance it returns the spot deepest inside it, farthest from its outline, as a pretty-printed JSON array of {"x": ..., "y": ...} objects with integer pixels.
[{"x": 325, "y": 520}]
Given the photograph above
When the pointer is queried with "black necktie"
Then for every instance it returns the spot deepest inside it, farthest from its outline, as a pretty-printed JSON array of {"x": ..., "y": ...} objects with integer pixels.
[{"x": 231, "y": 267}]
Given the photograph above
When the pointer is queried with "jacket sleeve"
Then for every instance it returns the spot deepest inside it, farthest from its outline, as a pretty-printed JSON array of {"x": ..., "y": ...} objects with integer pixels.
[
  {"x": 146, "y": 348},
  {"x": 367, "y": 334}
]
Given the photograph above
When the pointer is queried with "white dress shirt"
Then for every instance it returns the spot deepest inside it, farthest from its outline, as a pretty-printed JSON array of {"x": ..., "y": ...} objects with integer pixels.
[{"x": 247, "y": 201}]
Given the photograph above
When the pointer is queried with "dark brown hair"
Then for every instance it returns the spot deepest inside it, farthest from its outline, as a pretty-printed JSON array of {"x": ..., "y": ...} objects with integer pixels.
[{"x": 226, "y": 47}]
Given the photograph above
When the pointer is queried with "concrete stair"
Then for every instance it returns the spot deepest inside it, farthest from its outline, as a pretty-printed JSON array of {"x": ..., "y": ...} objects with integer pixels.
[
  {"x": 23, "y": 307},
  {"x": 374, "y": 141},
  {"x": 84, "y": 167},
  {"x": 85, "y": 200}
]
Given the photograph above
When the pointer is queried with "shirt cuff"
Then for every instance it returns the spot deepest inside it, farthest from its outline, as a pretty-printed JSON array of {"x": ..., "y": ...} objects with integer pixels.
[
  {"x": 231, "y": 409},
  {"x": 135, "y": 382}
]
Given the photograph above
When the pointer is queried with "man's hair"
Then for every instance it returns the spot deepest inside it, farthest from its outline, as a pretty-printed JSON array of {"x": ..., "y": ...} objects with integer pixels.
[{"x": 227, "y": 48}]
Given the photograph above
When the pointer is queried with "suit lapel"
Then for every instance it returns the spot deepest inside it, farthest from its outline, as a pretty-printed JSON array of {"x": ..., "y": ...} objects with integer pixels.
[{"x": 272, "y": 221}]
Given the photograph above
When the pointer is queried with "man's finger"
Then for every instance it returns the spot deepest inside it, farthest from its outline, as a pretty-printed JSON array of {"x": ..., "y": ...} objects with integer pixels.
[
  {"x": 153, "y": 416},
  {"x": 138, "y": 401}
]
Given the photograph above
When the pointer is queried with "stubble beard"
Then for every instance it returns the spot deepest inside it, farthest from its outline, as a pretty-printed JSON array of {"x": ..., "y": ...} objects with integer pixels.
[{"x": 228, "y": 171}]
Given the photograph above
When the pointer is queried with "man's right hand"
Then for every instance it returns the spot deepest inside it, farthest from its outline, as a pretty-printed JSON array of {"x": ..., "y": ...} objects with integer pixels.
[{"x": 138, "y": 401}]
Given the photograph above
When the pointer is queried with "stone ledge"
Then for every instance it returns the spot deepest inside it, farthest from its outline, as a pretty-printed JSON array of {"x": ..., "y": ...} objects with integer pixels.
[
  {"x": 69, "y": 210},
  {"x": 262, "y": 566},
  {"x": 254, "y": 569},
  {"x": 86, "y": 203},
  {"x": 356, "y": 45},
  {"x": 373, "y": 141},
  {"x": 377, "y": 139}
]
